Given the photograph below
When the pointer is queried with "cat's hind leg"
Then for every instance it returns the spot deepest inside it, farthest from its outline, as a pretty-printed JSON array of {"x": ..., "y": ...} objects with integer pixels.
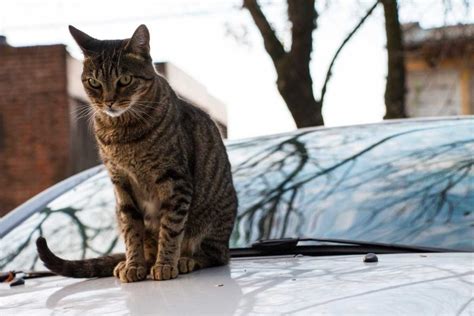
[{"x": 211, "y": 253}]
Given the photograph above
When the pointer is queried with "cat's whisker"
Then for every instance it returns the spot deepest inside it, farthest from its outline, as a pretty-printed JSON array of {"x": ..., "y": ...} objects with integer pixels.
[
  {"x": 146, "y": 102},
  {"x": 141, "y": 115},
  {"x": 90, "y": 119},
  {"x": 84, "y": 113},
  {"x": 80, "y": 110}
]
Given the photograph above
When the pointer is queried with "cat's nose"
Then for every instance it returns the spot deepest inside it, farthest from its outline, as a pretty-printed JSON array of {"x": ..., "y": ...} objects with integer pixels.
[{"x": 109, "y": 104}]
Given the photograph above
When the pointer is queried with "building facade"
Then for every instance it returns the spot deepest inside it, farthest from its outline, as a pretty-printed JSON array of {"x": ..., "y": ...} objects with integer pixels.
[{"x": 440, "y": 70}]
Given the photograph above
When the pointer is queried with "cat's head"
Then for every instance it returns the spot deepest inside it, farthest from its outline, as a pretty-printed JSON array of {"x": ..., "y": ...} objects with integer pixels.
[{"x": 117, "y": 74}]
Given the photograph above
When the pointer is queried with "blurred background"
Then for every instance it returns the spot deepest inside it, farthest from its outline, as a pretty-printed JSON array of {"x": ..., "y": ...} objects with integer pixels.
[{"x": 257, "y": 67}]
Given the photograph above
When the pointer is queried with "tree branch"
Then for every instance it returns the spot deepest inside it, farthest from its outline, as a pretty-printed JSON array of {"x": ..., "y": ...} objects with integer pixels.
[
  {"x": 338, "y": 51},
  {"x": 272, "y": 45}
]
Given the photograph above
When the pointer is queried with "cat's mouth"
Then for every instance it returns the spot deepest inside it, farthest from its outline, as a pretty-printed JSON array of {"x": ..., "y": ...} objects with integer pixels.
[{"x": 112, "y": 112}]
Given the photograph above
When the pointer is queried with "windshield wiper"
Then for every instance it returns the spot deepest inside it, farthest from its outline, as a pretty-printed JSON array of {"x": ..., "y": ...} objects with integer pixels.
[{"x": 325, "y": 247}]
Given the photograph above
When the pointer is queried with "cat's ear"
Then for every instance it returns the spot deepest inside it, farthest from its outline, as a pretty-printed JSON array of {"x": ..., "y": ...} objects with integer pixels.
[
  {"x": 139, "y": 43},
  {"x": 87, "y": 43}
]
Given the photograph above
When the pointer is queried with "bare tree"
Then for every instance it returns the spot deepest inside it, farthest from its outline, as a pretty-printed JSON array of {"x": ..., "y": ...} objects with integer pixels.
[
  {"x": 294, "y": 80},
  {"x": 395, "y": 85}
]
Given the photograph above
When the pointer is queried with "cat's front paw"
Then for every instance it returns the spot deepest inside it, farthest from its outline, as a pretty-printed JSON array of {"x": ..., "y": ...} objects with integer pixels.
[
  {"x": 131, "y": 272},
  {"x": 161, "y": 272},
  {"x": 187, "y": 265}
]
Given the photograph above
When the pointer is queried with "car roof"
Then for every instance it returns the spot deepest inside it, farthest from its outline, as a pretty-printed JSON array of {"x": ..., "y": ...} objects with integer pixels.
[{"x": 396, "y": 284}]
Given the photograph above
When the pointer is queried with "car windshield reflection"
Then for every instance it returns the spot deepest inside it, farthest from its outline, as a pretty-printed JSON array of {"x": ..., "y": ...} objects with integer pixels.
[{"x": 405, "y": 183}]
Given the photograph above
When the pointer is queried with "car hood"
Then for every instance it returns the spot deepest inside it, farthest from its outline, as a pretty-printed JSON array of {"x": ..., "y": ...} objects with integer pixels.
[{"x": 440, "y": 283}]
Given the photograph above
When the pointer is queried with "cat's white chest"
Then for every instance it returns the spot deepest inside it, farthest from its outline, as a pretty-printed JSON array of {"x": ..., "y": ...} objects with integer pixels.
[
  {"x": 147, "y": 199},
  {"x": 151, "y": 209},
  {"x": 151, "y": 206}
]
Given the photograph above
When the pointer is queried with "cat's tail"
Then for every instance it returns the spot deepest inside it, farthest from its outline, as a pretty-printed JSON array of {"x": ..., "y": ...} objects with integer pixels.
[{"x": 88, "y": 268}]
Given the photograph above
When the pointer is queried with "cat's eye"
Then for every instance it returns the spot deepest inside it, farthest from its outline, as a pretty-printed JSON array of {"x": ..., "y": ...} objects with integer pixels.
[
  {"x": 94, "y": 83},
  {"x": 125, "y": 80}
]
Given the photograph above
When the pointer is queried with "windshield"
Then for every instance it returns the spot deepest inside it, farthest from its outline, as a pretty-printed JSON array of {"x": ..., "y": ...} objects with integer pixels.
[{"x": 405, "y": 183}]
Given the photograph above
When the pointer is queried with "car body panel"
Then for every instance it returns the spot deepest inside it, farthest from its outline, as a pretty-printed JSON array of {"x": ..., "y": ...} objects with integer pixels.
[{"x": 401, "y": 284}]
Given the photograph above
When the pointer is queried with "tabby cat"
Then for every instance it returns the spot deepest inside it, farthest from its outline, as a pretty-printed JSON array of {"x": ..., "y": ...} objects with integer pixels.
[{"x": 176, "y": 202}]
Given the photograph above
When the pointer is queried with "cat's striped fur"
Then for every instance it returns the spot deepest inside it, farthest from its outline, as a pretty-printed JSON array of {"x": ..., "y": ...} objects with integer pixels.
[{"x": 175, "y": 198}]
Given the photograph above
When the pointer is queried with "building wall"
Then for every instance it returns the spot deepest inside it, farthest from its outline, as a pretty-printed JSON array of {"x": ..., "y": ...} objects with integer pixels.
[
  {"x": 440, "y": 67},
  {"x": 471, "y": 90},
  {"x": 441, "y": 86},
  {"x": 433, "y": 92},
  {"x": 34, "y": 121}
]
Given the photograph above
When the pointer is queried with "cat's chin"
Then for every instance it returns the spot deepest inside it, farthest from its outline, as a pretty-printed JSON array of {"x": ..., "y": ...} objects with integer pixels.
[{"x": 114, "y": 113}]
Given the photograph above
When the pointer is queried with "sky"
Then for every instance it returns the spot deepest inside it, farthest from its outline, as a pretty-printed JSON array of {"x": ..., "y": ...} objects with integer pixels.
[{"x": 216, "y": 42}]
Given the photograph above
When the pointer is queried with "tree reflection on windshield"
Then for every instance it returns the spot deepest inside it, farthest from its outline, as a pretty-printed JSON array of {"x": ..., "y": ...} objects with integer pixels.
[
  {"x": 406, "y": 183},
  {"x": 79, "y": 224},
  {"x": 412, "y": 186}
]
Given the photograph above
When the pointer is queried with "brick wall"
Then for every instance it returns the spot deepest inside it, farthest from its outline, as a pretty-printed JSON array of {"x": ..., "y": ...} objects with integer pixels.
[{"x": 34, "y": 122}]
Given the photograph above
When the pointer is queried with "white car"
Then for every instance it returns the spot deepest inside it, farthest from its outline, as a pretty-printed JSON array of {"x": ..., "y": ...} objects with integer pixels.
[{"x": 370, "y": 219}]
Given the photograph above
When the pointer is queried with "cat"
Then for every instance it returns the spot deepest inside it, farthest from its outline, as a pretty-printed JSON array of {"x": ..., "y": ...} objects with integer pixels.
[{"x": 175, "y": 199}]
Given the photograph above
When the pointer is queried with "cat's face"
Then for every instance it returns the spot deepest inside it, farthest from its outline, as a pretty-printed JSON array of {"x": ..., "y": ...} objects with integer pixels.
[{"x": 117, "y": 74}]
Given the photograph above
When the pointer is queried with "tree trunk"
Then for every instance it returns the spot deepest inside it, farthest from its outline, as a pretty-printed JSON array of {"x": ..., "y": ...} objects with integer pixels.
[
  {"x": 395, "y": 86},
  {"x": 293, "y": 67},
  {"x": 296, "y": 89},
  {"x": 294, "y": 78}
]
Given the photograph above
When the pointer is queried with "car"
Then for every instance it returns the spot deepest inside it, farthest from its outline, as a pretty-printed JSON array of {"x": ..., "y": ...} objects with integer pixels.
[{"x": 374, "y": 219}]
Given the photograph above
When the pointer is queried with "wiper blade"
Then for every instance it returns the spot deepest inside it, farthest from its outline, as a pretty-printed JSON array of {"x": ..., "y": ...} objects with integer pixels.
[
  {"x": 325, "y": 247},
  {"x": 286, "y": 243}
]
